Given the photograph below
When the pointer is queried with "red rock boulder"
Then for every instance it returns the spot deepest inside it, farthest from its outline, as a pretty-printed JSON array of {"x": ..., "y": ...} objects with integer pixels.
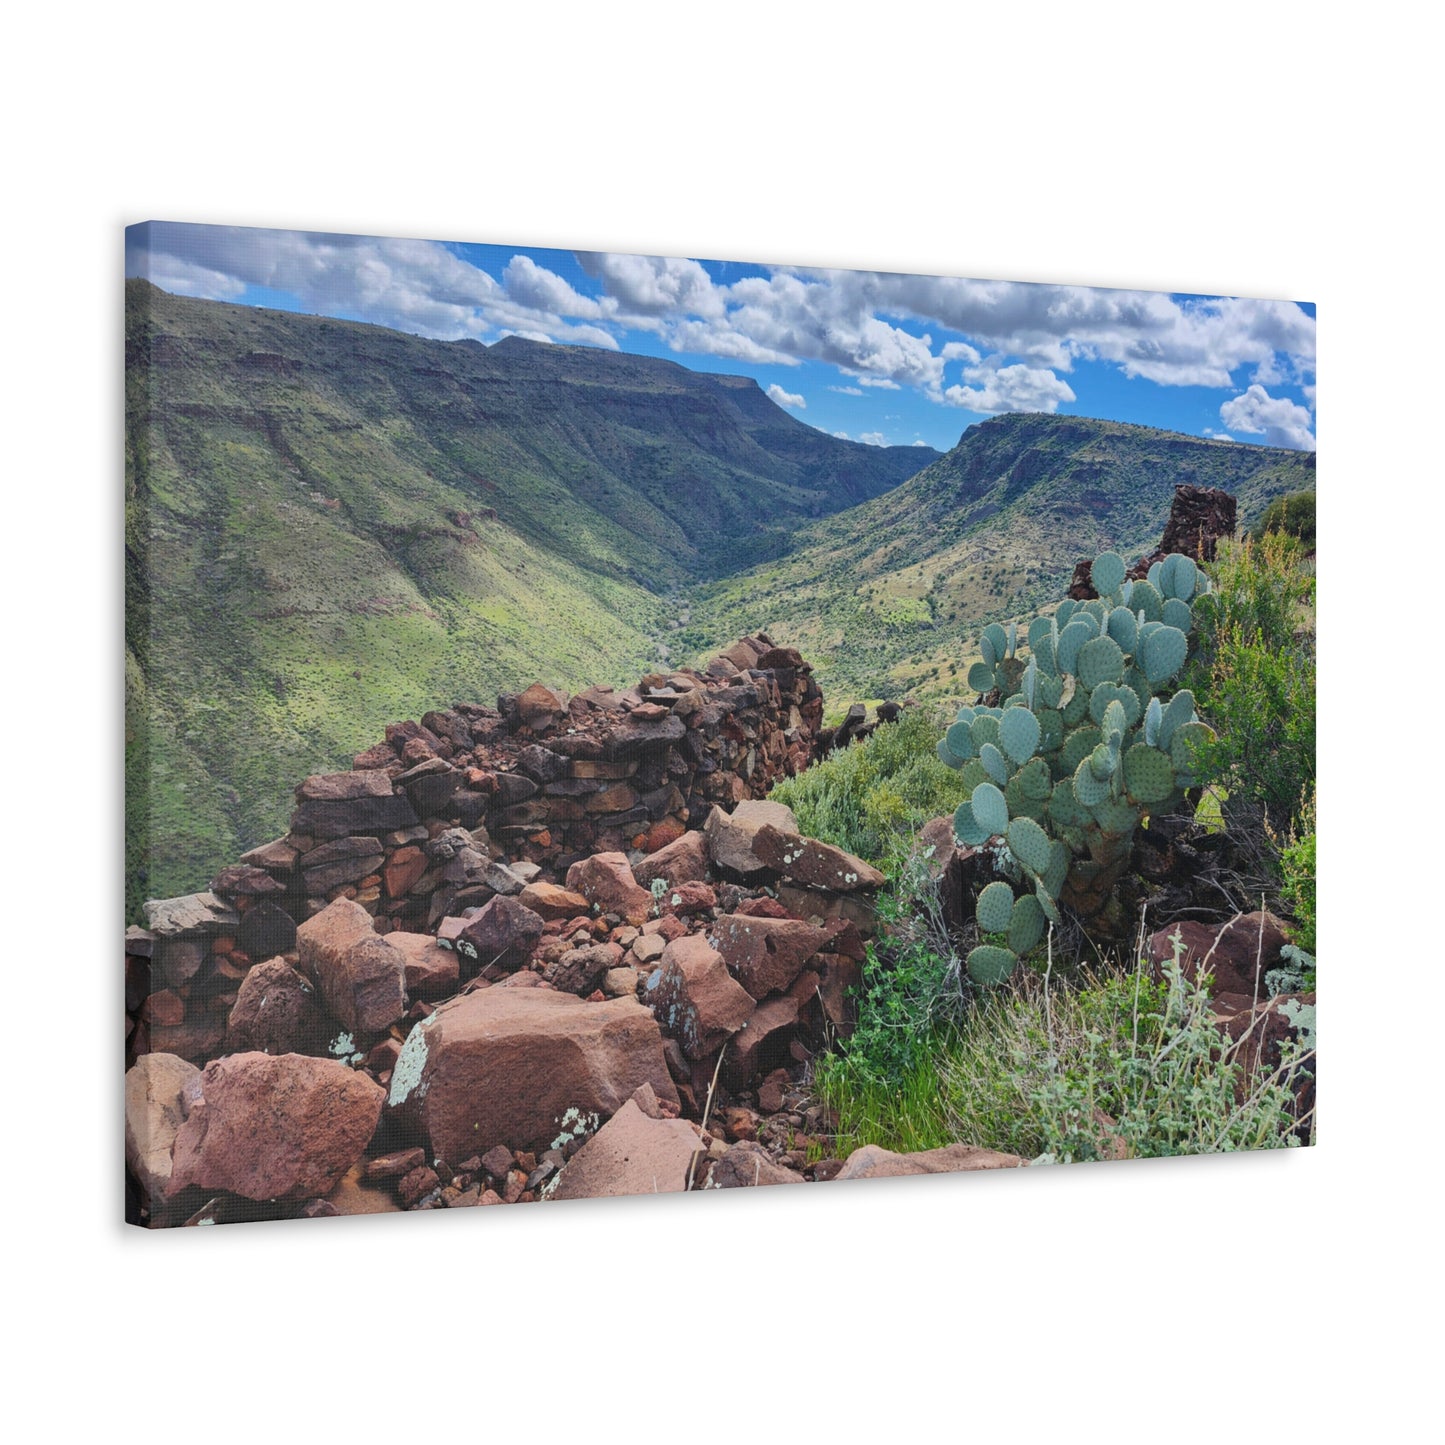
[
  {"x": 605, "y": 879},
  {"x": 362, "y": 978},
  {"x": 275, "y": 1128},
  {"x": 694, "y": 997},
  {"x": 631, "y": 1154},
  {"x": 524, "y": 1067}
]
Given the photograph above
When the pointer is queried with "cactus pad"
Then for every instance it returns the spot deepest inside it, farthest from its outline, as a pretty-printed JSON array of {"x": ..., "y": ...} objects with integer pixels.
[
  {"x": 1078, "y": 745},
  {"x": 994, "y": 908},
  {"x": 1071, "y": 639},
  {"x": 1179, "y": 712},
  {"x": 1107, "y": 573},
  {"x": 989, "y": 964},
  {"x": 1051, "y": 730},
  {"x": 1116, "y": 817},
  {"x": 1148, "y": 774},
  {"x": 1184, "y": 752},
  {"x": 995, "y": 635},
  {"x": 960, "y": 741},
  {"x": 1048, "y": 690},
  {"x": 993, "y": 763},
  {"x": 986, "y": 651},
  {"x": 1020, "y": 805},
  {"x": 1116, "y": 722},
  {"x": 1146, "y": 599},
  {"x": 1056, "y": 870},
  {"x": 1026, "y": 925},
  {"x": 1089, "y": 790},
  {"x": 1077, "y": 708},
  {"x": 1177, "y": 614},
  {"x": 1034, "y": 779},
  {"x": 1044, "y": 655},
  {"x": 1124, "y": 628},
  {"x": 1153, "y": 716},
  {"x": 1029, "y": 844},
  {"x": 1176, "y": 576},
  {"x": 984, "y": 729},
  {"x": 1104, "y": 760},
  {"x": 1164, "y": 653},
  {"x": 1100, "y": 660},
  {"x": 990, "y": 811},
  {"x": 1040, "y": 627},
  {"x": 966, "y": 828},
  {"x": 1107, "y": 692},
  {"x": 1018, "y": 733},
  {"x": 1156, "y": 571},
  {"x": 1065, "y": 611},
  {"x": 1064, "y": 808},
  {"x": 1051, "y": 909},
  {"x": 980, "y": 677},
  {"x": 972, "y": 775}
]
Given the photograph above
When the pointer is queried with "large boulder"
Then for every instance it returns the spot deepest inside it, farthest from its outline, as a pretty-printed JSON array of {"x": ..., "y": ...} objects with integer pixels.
[
  {"x": 730, "y": 835},
  {"x": 814, "y": 864},
  {"x": 275, "y": 1013},
  {"x": 1237, "y": 954},
  {"x": 766, "y": 954},
  {"x": 872, "y": 1162},
  {"x": 502, "y": 934},
  {"x": 362, "y": 978},
  {"x": 524, "y": 1067},
  {"x": 431, "y": 971},
  {"x": 694, "y": 997},
  {"x": 158, "y": 1094},
  {"x": 275, "y": 1128},
  {"x": 631, "y": 1154},
  {"x": 684, "y": 860},
  {"x": 605, "y": 879}
]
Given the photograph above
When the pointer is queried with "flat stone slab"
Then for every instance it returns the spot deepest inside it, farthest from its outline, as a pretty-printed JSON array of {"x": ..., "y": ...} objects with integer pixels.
[
  {"x": 871, "y": 1162},
  {"x": 631, "y": 1154}
]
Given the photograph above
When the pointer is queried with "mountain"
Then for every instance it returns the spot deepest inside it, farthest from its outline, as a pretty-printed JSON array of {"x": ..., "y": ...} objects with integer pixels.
[
  {"x": 887, "y": 597},
  {"x": 331, "y": 526}
]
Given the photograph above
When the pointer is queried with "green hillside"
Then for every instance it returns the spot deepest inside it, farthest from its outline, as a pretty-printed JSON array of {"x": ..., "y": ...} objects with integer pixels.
[
  {"x": 887, "y": 598},
  {"x": 331, "y": 526}
]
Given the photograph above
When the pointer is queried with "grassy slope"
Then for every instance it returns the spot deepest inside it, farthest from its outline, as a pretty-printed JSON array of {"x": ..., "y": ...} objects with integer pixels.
[
  {"x": 888, "y": 596},
  {"x": 309, "y": 554}
]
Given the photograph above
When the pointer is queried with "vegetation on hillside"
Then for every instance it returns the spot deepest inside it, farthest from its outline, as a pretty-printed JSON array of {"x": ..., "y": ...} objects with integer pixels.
[
  {"x": 887, "y": 598},
  {"x": 331, "y": 526}
]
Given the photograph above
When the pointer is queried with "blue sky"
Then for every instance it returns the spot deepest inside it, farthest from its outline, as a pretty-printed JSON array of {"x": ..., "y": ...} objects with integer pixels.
[{"x": 876, "y": 356}]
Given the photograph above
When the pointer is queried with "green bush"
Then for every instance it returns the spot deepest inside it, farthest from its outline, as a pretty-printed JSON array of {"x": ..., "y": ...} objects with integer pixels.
[
  {"x": 1255, "y": 677},
  {"x": 1297, "y": 863},
  {"x": 1293, "y": 515},
  {"x": 868, "y": 794},
  {"x": 1125, "y": 1068}
]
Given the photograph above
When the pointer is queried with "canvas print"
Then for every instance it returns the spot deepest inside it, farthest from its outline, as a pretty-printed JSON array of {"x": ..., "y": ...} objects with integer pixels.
[{"x": 605, "y": 724}]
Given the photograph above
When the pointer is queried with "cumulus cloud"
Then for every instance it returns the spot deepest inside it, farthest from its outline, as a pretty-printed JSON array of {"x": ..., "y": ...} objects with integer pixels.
[
  {"x": 997, "y": 388},
  {"x": 786, "y": 398},
  {"x": 920, "y": 443},
  {"x": 416, "y": 286},
  {"x": 847, "y": 390},
  {"x": 873, "y": 438},
  {"x": 842, "y": 436},
  {"x": 655, "y": 285},
  {"x": 1282, "y": 422}
]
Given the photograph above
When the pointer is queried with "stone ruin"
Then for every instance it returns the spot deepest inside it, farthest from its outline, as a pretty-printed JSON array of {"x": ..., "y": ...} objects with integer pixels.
[{"x": 560, "y": 947}]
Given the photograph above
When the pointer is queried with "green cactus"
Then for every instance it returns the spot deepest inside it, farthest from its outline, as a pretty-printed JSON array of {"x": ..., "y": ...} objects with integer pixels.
[
  {"x": 994, "y": 908},
  {"x": 1088, "y": 743},
  {"x": 989, "y": 964}
]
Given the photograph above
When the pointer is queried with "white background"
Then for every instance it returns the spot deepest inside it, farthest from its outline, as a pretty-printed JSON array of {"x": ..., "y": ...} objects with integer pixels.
[{"x": 1238, "y": 149}]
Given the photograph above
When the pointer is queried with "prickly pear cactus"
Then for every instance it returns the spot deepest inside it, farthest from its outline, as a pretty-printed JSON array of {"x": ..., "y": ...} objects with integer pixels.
[{"x": 1087, "y": 743}]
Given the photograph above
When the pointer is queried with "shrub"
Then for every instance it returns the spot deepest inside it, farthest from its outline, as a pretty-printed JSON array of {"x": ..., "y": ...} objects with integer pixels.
[
  {"x": 1124, "y": 1068},
  {"x": 1297, "y": 863},
  {"x": 872, "y": 792},
  {"x": 1293, "y": 515},
  {"x": 1255, "y": 677}
]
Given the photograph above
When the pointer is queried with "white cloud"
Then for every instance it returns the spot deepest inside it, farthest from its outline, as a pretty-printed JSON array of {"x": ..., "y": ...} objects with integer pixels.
[
  {"x": 534, "y": 286},
  {"x": 961, "y": 351},
  {"x": 1283, "y": 423},
  {"x": 885, "y": 383},
  {"x": 786, "y": 398},
  {"x": 873, "y": 438},
  {"x": 920, "y": 443},
  {"x": 655, "y": 285},
  {"x": 847, "y": 390},
  {"x": 1000, "y": 388},
  {"x": 842, "y": 436}
]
